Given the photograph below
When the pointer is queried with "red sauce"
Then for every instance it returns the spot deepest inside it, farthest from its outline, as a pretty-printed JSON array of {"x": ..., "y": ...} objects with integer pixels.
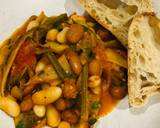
[
  {"x": 25, "y": 57},
  {"x": 108, "y": 104}
]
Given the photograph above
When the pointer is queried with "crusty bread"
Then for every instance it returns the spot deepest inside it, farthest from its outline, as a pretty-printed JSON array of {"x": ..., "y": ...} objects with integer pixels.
[
  {"x": 143, "y": 58},
  {"x": 116, "y": 15}
]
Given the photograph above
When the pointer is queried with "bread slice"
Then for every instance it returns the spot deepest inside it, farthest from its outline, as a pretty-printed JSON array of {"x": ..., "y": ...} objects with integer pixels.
[
  {"x": 116, "y": 15},
  {"x": 143, "y": 59}
]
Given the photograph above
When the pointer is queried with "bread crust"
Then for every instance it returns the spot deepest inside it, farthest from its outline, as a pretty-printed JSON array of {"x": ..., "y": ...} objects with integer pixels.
[
  {"x": 143, "y": 43},
  {"x": 117, "y": 23}
]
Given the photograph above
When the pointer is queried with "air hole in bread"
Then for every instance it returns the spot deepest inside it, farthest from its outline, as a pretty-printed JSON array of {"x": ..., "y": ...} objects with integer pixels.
[
  {"x": 143, "y": 78},
  {"x": 131, "y": 9},
  {"x": 138, "y": 101},
  {"x": 134, "y": 61},
  {"x": 144, "y": 47},
  {"x": 137, "y": 54},
  {"x": 144, "y": 97},
  {"x": 158, "y": 89},
  {"x": 108, "y": 21},
  {"x": 136, "y": 33},
  {"x": 128, "y": 23},
  {"x": 99, "y": 9},
  {"x": 114, "y": 4},
  {"x": 132, "y": 75},
  {"x": 149, "y": 58},
  {"x": 147, "y": 84},
  {"x": 142, "y": 59},
  {"x": 93, "y": 11},
  {"x": 151, "y": 75}
]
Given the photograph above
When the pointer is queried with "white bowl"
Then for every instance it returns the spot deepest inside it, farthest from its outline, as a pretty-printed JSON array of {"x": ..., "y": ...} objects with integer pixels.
[{"x": 13, "y": 13}]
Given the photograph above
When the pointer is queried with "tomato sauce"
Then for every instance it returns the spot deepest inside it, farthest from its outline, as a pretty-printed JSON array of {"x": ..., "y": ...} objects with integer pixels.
[
  {"x": 107, "y": 104},
  {"x": 25, "y": 57}
]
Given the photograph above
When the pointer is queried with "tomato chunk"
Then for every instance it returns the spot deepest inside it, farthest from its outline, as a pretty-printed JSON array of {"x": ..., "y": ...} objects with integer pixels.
[{"x": 26, "y": 57}]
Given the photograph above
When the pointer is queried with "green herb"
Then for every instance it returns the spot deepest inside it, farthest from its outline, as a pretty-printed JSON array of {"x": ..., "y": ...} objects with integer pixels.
[
  {"x": 73, "y": 47},
  {"x": 96, "y": 105},
  {"x": 97, "y": 27},
  {"x": 40, "y": 35},
  {"x": 84, "y": 94},
  {"x": 21, "y": 125},
  {"x": 92, "y": 121},
  {"x": 60, "y": 19},
  {"x": 71, "y": 76},
  {"x": 27, "y": 122},
  {"x": 86, "y": 29},
  {"x": 89, "y": 54}
]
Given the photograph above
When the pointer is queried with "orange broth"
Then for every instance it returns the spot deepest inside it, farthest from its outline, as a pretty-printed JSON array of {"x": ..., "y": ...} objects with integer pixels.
[{"x": 107, "y": 104}]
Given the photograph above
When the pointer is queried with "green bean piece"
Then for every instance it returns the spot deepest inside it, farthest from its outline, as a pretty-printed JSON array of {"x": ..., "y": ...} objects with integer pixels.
[
  {"x": 113, "y": 44},
  {"x": 28, "y": 121},
  {"x": 14, "y": 80},
  {"x": 40, "y": 51},
  {"x": 92, "y": 121},
  {"x": 84, "y": 94},
  {"x": 41, "y": 17},
  {"x": 95, "y": 105},
  {"x": 61, "y": 73},
  {"x": 46, "y": 25}
]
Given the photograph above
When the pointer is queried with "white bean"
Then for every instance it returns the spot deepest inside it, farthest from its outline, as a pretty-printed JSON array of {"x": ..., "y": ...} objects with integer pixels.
[
  {"x": 39, "y": 110},
  {"x": 64, "y": 124},
  {"x": 40, "y": 67},
  {"x": 52, "y": 35},
  {"x": 96, "y": 90},
  {"x": 46, "y": 96},
  {"x": 94, "y": 81},
  {"x": 9, "y": 106},
  {"x": 16, "y": 92},
  {"x": 46, "y": 126},
  {"x": 53, "y": 116},
  {"x": 61, "y": 37}
]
